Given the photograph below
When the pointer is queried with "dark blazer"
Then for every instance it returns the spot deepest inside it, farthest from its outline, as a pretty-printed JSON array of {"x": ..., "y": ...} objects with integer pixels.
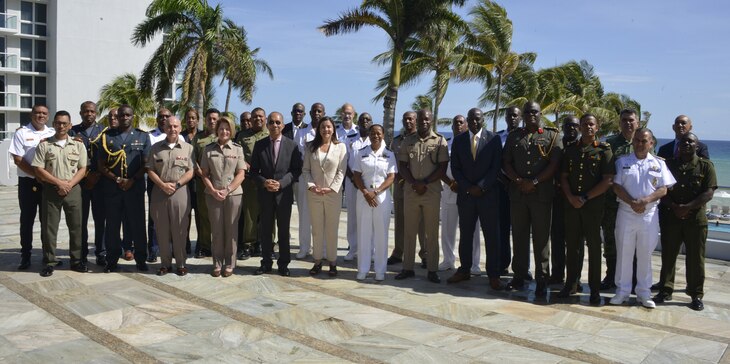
[
  {"x": 483, "y": 171},
  {"x": 288, "y": 130},
  {"x": 666, "y": 151},
  {"x": 286, "y": 170}
]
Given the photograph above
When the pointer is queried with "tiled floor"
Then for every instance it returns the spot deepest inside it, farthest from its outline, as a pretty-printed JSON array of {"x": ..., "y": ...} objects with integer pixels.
[{"x": 132, "y": 317}]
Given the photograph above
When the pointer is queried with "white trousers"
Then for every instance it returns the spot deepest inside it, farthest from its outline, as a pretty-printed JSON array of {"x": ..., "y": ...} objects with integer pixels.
[
  {"x": 449, "y": 215},
  {"x": 305, "y": 223},
  {"x": 351, "y": 197},
  {"x": 372, "y": 234},
  {"x": 635, "y": 233}
]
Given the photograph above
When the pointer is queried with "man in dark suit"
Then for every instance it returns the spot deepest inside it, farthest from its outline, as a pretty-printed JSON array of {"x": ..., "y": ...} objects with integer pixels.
[
  {"x": 475, "y": 163},
  {"x": 275, "y": 164},
  {"x": 682, "y": 126},
  {"x": 298, "y": 111}
]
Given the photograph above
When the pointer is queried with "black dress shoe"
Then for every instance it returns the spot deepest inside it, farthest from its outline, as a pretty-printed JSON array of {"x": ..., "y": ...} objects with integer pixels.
[
  {"x": 80, "y": 267},
  {"x": 198, "y": 254},
  {"x": 101, "y": 260},
  {"x": 607, "y": 284},
  {"x": 333, "y": 271},
  {"x": 24, "y": 263},
  {"x": 595, "y": 298},
  {"x": 110, "y": 268},
  {"x": 142, "y": 267},
  {"x": 566, "y": 292},
  {"x": 47, "y": 271},
  {"x": 657, "y": 286},
  {"x": 243, "y": 255},
  {"x": 261, "y": 270},
  {"x": 496, "y": 284},
  {"x": 555, "y": 280},
  {"x": 529, "y": 276},
  {"x": 256, "y": 250},
  {"x": 284, "y": 272},
  {"x": 405, "y": 274},
  {"x": 541, "y": 288},
  {"x": 697, "y": 304},
  {"x": 423, "y": 264},
  {"x": 516, "y": 284},
  {"x": 394, "y": 260},
  {"x": 152, "y": 258},
  {"x": 316, "y": 269},
  {"x": 661, "y": 297},
  {"x": 433, "y": 277}
]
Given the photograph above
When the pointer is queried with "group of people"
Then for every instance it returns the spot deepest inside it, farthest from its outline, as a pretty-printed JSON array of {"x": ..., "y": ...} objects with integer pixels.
[{"x": 559, "y": 193}]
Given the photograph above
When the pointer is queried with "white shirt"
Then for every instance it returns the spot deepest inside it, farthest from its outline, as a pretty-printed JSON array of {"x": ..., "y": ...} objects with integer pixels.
[
  {"x": 503, "y": 136},
  {"x": 447, "y": 195},
  {"x": 343, "y": 134},
  {"x": 157, "y": 135},
  {"x": 374, "y": 165},
  {"x": 353, "y": 149},
  {"x": 641, "y": 177},
  {"x": 25, "y": 141},
  {"x": 303, "y": 136}
]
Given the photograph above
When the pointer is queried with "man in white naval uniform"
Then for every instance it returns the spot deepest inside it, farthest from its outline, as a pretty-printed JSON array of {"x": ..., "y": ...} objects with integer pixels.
[
  {"x": 354, "y": 144},
  {"x": 641, "y": 180},
  {"x": 302, "y": 137},
  {"x": 449, "y": 213}
]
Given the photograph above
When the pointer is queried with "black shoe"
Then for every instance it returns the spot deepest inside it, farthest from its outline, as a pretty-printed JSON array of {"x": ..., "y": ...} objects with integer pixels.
[
  {"x": 333, "y": 271},
  {"x": 434, "y": 277},
  {"x": 256, "y": 250},
  {"x": 554, "y": 280},
  {"x": 284, "y": 272},
  {"x": 110, "y": 268},
  {"x": 607, "y": 283},
  {"x": 595, "y": 298},
  {"x": 207, "y": 253},
  {"x": 579, "y": 287},
  {"x": 516, "y": 284},
  {"x": 261, "y": 270},
  {"x": 243, "y": 255},
  {"x": 529, "y": 276},
  {"x": 151, "y": 258},
  {"x": 101, "y": 260},
  {"x": 661, "y": 297},
  {"x": 316, "y": 269},
  {"x": 566, "y": 292},
  {"x": 423, "y": 264},
  {"x": 47, "y": 271},
  {"x": 657, "y": 286},
  {"x": 24, "y": 263},
  {"x": 80, "y": 267},
  {"x": 394, "y": 260},
  {"x": 697, "y": 304},
  {"x": 405, "y": 274},
  {"x": 142, "y": 267},
  {"x": 541, "y": 288},
  {"x": 198, "y": 254}
]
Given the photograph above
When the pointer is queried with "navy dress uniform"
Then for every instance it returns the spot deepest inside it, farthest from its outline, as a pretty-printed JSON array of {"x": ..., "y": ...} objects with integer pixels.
[{"x": 122, "y": 156}]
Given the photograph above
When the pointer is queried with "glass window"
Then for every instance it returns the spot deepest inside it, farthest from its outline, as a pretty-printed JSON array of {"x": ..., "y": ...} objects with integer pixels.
[
  {"x": 2, "y": 83},
  {"x": 2, "y": 43},
  {"x": 26, "y": 28},
  {"x": 26, "y": 48},
  {"x": 40, "y": 30},
  {"x": 26, "y": 66},
  {"x": 3, "y": 127},
  {"x": 40, "y": 66},
  {"x": 40, "y": 101},
  {"x": 26, "y": 85},
  {"x": 40, "y": 13},
  {"x": 40, "y": 86},
  {"x": 40, "y": 49},
  {"x": 26, "y": 11},
  {"x": 25, "y": 117},
  {"x": 26, "y": 102}
]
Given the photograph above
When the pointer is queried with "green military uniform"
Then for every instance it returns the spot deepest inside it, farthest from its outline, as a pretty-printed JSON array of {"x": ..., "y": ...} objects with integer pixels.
[
  {"x": 529, "y": 154},
  {"x": 585, "y": 166},
  {"x": 248, "y": 223},
  {"x": 62, "y": 161},
  {"x": 202, "y": 223},
  {"x": 693, "y": 178},
  {"x": 423, "y": 156},
  {"x": 399, "y": 209}
]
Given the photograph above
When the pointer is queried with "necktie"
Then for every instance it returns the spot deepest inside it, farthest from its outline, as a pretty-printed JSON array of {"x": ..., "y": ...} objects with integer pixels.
[
  {"x": 474, "y": 143},
  {"x": 275, "y": 149}
]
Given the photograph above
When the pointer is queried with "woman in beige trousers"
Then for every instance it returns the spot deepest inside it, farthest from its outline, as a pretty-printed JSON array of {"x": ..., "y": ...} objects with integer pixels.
[{"x": 325, "y": 160}]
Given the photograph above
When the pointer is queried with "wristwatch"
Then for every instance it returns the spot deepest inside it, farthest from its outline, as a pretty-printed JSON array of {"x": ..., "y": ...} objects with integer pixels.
[
  {"x": 177, "y": 185},
  {"x": 118, "y": 179},
  {"x": 535, "y": 181}
]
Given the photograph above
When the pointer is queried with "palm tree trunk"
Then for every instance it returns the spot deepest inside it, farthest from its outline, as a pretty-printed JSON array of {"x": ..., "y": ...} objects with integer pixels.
[
  {"x": 496, "y": 104},
  {"x": 557, "y": 122},
  {"x": 435, "y": 122},
  {"x": 228, "y": 95},
  {"x": 391, "y": 95}
]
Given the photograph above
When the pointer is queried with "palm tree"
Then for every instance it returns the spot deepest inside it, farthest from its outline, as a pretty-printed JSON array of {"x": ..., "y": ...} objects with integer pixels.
[
  {"x": 195, "y": 36},
  {"x": 401, "y": 20},
  {"x": 490, "y": 50},
  {"x": 240, "y": 67},
  {"x": 123, "y": 90}
]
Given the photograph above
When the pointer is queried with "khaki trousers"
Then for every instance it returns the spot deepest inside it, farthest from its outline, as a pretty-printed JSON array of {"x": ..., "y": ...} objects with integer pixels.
[
  {"x": 422, "y": 210},
  {"x": 223, "y": 217},
  {"x": 324, "y": 211},
  {"x": 171, "y": 215},
  {"x": 50, "y": 218}
]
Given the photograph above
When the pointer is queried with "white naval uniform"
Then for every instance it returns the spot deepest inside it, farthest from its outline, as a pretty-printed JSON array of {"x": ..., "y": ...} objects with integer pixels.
[
  {"x": 638, "y": 232},
  {"x": 449, "y": 216},
  {"x": 25, "y": 141},
  {"x": 343, "y": 135},
  {"x": 373, "y": 222},
  {"x": 354, "y": 144},
  {"x": 302, "y": 137}
]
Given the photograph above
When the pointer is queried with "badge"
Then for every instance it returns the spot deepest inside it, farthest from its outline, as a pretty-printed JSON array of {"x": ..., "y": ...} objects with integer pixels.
[{"x": 35, "y": 189}]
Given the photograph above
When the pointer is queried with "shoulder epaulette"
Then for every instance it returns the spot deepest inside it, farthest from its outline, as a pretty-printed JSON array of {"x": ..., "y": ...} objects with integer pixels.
[
  {"x": 236, "y": 144},
  {"x": 448, "y": 139},
  {"x": 438, "y": 135},
  {"x": 550, "y": 128},
  {"x": 138, "y": 129},
  {"x": 20, "y": 127},
  {"x": 363, "y": 148},
  {"x": 352, "y": 135},
  {"x": 659, "y": 158}
]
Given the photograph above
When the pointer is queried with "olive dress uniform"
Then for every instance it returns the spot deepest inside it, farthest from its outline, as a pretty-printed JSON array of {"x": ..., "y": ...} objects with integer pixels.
[
  {"x": 62, "y": 160},
  {"x": 529, "y": 154},
  {"x": 399, "y": 210},
  {"x": 222, "y": 163},
  {"x": 171, "y": 213},
  {"x": 124, "y": 154},
  {"x": 202, "y": 223},
  {"x": 422, "y": 156},
  {"x": 248, "y": 223},
  {"x": 585, "y": 166},
  {"x": 693, "y": 178}
]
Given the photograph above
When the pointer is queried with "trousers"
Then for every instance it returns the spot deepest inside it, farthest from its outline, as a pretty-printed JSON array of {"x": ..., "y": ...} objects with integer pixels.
[
  {"x": 635, "y": 233},
  {"x": 372, "y": 234}
]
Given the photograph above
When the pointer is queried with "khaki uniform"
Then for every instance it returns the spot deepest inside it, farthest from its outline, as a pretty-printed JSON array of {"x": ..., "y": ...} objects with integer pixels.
[
  {"x": 585, "y": 165},
  {"x": 248, "y": 224},
  {"x": 399, "y": 210},
  {"x": 222, "y": 163},
  {"x": 171, "y": 213},
  {"x": 61, "y": 161},
  {"x": 693, "y": 178},
  {"x": 423, "y": 156},
  {"x": 202, "y": 223},
  {"x": 529, "y": 154}
]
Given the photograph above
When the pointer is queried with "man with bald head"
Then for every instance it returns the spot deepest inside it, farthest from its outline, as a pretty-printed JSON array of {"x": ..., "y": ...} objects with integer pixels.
[{"x": 682, "y": 126}]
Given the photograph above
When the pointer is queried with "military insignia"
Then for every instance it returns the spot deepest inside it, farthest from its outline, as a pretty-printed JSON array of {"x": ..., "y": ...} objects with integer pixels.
[
  {"x": 35, "y": 189},
  {"x": 540, "y": 130},
  {"x": 654, "y": 181},
  {"x": 385, "y": 155},
  {"x": 654, "y": 168}
]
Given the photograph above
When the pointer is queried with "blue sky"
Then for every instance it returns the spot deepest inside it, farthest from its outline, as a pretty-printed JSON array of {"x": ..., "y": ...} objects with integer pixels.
[{"x": 671, "y": 56}]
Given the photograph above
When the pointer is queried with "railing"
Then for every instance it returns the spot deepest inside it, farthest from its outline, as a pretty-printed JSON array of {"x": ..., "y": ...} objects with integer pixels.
[
  {"x": 8, "y": 22},
  {"x": 9, "y": 61}
]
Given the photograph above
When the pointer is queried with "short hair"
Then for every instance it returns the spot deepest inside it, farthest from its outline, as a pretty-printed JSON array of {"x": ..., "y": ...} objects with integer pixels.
[
  {"x": 348, "y": 104},
  {"x": 193, "y": 110},
  {"x": 62, "y": 113},
  {"x": 212, "y": 110},
  {"x": 645, "y": 130},
  {"x": 268, "y": 118},
  {"x": 257, "y": 109},
  {"x": 627, "y": 111},
  {"x": 376, "y": 125},
  {"x": 224, "y": 120},
  {"x": 588, "y": 115},
  {"x": 299, "y": 104},
  {"x": 87, "y": 103},
  {"x": 35, "y": 106}
]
